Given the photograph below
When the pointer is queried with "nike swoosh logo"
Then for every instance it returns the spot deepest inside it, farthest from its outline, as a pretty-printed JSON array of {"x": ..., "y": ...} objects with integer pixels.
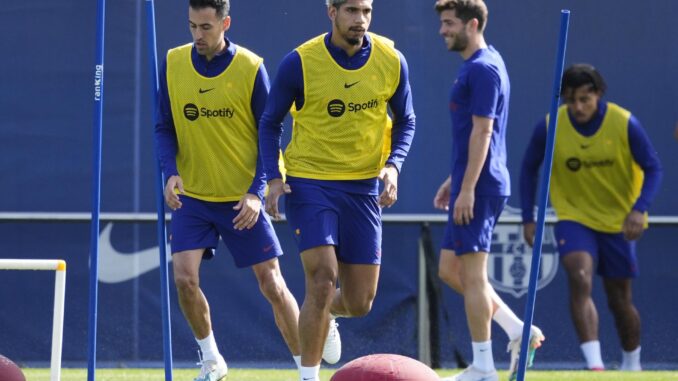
[
  {"x": 585, "y": 146},
  {"x": 349, "y": 85},
  {"x": 201, "y": 91},
  {"x": 116, "y": 267}
]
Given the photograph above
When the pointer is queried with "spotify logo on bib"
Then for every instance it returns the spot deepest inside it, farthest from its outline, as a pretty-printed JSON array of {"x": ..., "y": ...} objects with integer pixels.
[
  {"x": 191, "y": 112},
  {"x": 336, "y": 108}
]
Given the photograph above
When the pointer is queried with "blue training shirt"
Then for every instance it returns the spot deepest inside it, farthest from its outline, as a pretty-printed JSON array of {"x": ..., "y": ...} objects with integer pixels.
[
  {"x": 165, "y": 134},
  {"x": 288, "y": 88},
  {"x": 641, "y": 149},
  {"x": 482, "y": 88}
]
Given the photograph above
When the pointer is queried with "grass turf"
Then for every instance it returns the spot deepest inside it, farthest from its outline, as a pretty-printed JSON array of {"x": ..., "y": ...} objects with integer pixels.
[{"x": 326, "y": 374}]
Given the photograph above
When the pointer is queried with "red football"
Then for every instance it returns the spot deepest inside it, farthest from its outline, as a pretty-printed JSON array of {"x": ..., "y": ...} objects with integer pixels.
[
  {"x": 9, "y": 371},
  {"x": 385, "y": 367}
]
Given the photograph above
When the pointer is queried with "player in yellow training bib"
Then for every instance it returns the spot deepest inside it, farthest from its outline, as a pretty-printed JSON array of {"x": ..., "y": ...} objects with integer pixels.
[
  {"x": 339, "y": 87},
  {"x": 212, "y": 93},
  {"x": 604, "y": 177}
]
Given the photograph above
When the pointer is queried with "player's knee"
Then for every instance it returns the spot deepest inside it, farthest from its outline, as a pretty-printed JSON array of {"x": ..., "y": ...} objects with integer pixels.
[
  {"x": 451, "y": 278},
  {"x": 358, "y": 308},
  {"x": 473, "y": 281},
  {"x": 186, "y": 282},
  {"x": 619, "y": 305},
  {"x": 321, "y": 288},
  {"x": 580, "y": 282},
  {"x": 273, "y": 288}
]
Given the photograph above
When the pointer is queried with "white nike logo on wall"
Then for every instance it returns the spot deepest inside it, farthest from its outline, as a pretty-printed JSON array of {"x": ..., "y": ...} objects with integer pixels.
[{"x": 116, "y": 267}]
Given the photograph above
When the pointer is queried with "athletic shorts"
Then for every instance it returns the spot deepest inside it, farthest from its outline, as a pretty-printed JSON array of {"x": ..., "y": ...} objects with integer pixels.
[
  {"x": 198, "y": 224},
  {"x": 322, "y": 216},
  {"x": 477, "y": 236},
  {"x": 615, "y": 256}
]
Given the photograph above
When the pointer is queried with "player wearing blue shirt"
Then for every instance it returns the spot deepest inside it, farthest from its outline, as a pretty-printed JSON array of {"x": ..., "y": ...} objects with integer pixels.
[
  {"x": 340, "y": 87},
  {"x": 476, "y": 192},
  {"x": 212, "y": 92},
  {"x": 604, "y": 156}
]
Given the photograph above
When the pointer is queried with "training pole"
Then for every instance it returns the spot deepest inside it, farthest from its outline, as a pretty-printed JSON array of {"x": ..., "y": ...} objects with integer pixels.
[
  {"x": 162, "y": 245},
  {"x": 544, "y": 193},
  {"x": 96, "y": 189}
]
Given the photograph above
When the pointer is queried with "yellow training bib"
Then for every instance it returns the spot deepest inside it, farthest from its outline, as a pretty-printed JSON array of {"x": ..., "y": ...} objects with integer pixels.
[
  {"x": 343, "y": 131},
  {"x": 595, "y": 180},
  {"x": 215, "y": 127}
]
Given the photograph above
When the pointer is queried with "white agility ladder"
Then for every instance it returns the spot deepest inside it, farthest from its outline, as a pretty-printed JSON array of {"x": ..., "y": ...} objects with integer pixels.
[{"x": 59, "y": 267}]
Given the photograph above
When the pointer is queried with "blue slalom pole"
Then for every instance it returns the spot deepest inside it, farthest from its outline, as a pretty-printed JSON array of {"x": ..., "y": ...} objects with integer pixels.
[
  {"x": 160, "y": 200},
  {"x": 544, "y": 193},
  {"x": 96, "y": 190}
]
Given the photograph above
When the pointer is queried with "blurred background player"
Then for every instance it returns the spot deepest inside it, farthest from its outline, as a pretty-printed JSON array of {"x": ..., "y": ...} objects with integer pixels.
[
  {"x": 340, "y": 86},
  {"x": 476, "y": 192},
  {"x": 604, "y": 157},
  {"x": 212, "y": 93}
]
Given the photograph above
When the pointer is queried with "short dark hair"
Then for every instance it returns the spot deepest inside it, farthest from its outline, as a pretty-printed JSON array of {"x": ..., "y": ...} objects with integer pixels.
[
  {"x": 583, "y": 74},
  {"x": 221, "y": 6},
  {"x": 466, "y": 10},
  {"x": 335, "y": 3}
]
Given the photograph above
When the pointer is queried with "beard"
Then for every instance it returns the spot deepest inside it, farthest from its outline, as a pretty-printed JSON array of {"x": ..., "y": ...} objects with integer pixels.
[
  {"x": 460, "y": 42},
  {"x": 349, "y": 35}
]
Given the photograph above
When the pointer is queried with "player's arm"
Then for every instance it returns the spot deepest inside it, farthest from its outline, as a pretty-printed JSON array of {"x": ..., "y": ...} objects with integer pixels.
[
  {"x": 249, "y": 205},
  {"x": 442, "y": 198},
  {"x": 647, "y": 158},
  {"x": 402, "y": 134},
  {"x": 485, "y": 88},
  {"x": 166, "y": 143},
  {"x": 287, "y": 89},
  {"x": 529, "y": 175},
  {"x": 479, "y": 144}
]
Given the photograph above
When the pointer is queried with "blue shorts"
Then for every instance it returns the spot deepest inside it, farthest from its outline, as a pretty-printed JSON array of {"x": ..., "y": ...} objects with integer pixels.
[
  {"x": 198, "y": 224},
  {"x": 322, "y": 216},
  {"x": 477, "y": 236},
  {"x": 615, "y": 256}
]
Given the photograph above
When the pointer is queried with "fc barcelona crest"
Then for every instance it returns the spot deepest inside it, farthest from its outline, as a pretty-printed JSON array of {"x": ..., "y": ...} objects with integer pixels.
[{"x": 510, "y": 259}]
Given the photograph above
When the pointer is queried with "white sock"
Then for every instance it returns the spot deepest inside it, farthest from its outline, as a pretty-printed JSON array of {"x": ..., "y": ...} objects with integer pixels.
[
  {"x": 631, "y": 360},
  {"x": 508, "y": 321},
  {"x": 297, "y": 360},
  {"x": 482, "y": 356},
  {"x": 208, "y": 347},
  {"x": 591, "y": 351},
  {"x": 309, "y": 373}
]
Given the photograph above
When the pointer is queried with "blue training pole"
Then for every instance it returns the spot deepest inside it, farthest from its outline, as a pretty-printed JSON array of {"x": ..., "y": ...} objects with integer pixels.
[
  {"x": 96, "y": 189},
  {"x": 160, "y": 200},
  {"x": 544, "y": 193}
]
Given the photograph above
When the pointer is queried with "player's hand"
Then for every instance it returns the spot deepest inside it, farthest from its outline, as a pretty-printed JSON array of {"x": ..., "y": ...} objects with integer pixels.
[
  {"x": 276, "y": 188},
  {"x": 389, "y": 175},
  {"x": 529, "y": 230},
  {"x": 442, "y": 199},
  {"x": 249, "y": 207},
  {"x": 171, "y": 197},
  {"x": 463, "y": 208},
  {"x": 634, "y": 225}
]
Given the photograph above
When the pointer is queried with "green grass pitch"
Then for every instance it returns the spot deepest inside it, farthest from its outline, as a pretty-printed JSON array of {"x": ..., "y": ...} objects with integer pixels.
[{"x": 326, "y": 374}]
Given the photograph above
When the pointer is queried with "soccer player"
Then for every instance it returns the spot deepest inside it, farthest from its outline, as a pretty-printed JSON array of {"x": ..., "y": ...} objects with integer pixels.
[
  {"x": 212, "y": 93},
  {"x": 340, "y": 86},
  {"x": 476, "y": 191},
  {"x": 604, "y": 157}
]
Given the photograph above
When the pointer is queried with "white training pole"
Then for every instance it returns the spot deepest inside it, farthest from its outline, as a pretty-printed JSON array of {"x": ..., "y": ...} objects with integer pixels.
[
  {"x": 58, "y": 320},
  {"x": 59, "y": 297}
]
